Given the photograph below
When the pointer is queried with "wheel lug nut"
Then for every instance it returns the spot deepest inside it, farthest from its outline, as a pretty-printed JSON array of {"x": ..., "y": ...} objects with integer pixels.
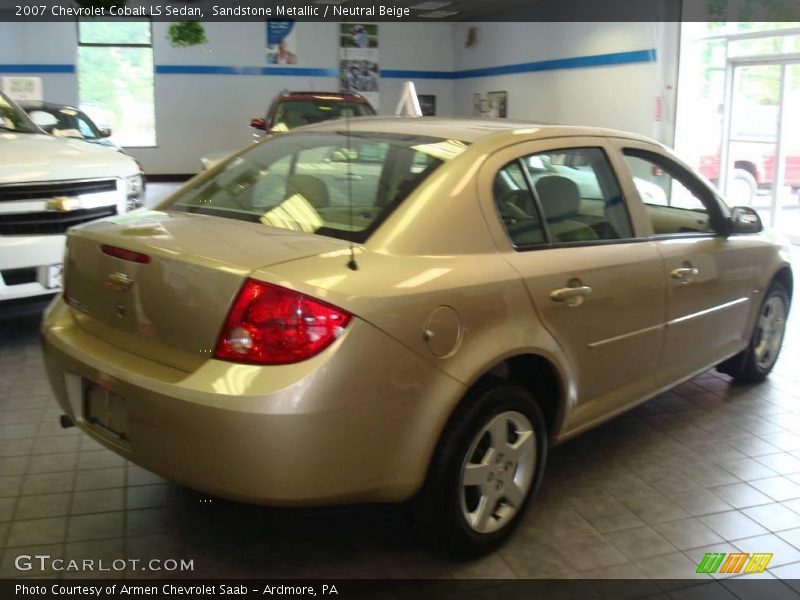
[{"x": 490, "y": 477}]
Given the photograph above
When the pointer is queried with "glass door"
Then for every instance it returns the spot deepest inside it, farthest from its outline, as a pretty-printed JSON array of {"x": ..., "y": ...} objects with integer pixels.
[
  {"x": 788, "y": 175},
  {"x": 760, "y": 151},
  {"x": 749, "y": 153}
]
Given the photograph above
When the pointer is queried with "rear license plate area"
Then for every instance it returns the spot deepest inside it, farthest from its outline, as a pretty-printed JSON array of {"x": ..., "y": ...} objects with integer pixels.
[{"x": 105, "y": 411}]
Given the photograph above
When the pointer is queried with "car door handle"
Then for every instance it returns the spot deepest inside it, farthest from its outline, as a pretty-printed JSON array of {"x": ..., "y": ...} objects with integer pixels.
[
  {"x": 685, "y": 274},
  {"x": 573, "y": 296}
]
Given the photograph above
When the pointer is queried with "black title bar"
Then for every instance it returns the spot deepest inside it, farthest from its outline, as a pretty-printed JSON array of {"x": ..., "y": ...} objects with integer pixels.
[{"x": 403, "y": 10}]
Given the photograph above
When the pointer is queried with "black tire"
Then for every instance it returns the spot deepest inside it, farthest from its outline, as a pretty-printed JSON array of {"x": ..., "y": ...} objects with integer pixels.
[
  {"x": 438, "y": 510},
  {"x": 746, "y": 180},
  {"x": 750, "y": 365}
]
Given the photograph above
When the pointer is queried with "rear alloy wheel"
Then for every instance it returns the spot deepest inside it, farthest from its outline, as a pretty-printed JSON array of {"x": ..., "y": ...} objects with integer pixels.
[
  {"x": 486, "y": 468},
  {"x": 498, "y": 472},
  {"x": 755, "y": 363}
]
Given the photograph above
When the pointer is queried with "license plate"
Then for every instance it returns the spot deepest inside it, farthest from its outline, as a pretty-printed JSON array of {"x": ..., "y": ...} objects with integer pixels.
[
  {"x": 105, "y": 410},
  {"x": 54, "y": 276}
]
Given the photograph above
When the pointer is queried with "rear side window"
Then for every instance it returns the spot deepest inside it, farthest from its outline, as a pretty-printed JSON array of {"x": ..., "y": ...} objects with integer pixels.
[
  {"x": 516, "y": 206},
  {"x": 326, "y": 183},
  {"x": 567, "y": 196}
]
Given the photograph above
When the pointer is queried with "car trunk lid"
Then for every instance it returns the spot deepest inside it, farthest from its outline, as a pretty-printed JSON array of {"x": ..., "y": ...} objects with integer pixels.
[{"x": 160, "y": 284}]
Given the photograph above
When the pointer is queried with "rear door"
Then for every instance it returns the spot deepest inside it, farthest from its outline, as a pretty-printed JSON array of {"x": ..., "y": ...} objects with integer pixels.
[
  {"x": 710, "y": 277},
  {"x": 597, "y": 287}
]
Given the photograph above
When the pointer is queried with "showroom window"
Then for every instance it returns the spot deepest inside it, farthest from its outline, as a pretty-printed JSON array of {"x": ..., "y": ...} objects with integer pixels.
[
  {"x": 115, "y": 79},
  {"x": 738, "y": 109}
]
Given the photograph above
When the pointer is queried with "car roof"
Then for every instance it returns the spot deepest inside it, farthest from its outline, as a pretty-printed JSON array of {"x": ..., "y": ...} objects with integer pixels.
[
  {"x": 47, "y": 105},
  {"x": 330, "y": 96},
  {"x": 468, "y": 129}
]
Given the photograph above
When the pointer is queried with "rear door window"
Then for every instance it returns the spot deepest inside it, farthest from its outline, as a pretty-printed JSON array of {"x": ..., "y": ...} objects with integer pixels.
[{"x": 568, "y": 196}]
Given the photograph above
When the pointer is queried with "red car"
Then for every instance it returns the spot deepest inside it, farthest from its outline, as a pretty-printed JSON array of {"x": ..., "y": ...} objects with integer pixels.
[{"x": 293, "y": 109}]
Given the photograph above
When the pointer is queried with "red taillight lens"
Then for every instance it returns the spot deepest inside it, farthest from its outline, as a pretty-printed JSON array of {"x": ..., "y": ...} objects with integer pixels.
[
  {"x": 123, "y": 254},
  {"x": 272, "y": 325}
]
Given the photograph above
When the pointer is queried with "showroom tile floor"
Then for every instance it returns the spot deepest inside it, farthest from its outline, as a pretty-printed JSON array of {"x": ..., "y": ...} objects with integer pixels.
[{"x": 703, "y": 468}]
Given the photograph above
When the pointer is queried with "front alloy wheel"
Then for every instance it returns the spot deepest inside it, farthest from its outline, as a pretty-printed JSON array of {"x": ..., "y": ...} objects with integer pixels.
[
  {"x": 769, "y": 332},
  {"x": 753, "y": 364}
]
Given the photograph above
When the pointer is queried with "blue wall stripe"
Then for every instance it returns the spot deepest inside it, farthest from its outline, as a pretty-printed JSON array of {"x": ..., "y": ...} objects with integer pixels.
[
  {"x": 577, "y": 62},
  {"x": 37, "y": 68},
  {"x": 402, "y": 74},
  {"x": 212, "y": 70}
]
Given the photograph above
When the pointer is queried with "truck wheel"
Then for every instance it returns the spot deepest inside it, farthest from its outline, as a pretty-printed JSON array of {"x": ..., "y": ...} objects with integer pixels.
[
  {"x": 743, "y": 188},
  {"x": 487, "y": 466}
]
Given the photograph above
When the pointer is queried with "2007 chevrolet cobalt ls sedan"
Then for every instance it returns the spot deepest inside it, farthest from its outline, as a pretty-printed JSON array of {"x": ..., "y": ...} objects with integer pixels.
[{"x": 409, "y": 308}]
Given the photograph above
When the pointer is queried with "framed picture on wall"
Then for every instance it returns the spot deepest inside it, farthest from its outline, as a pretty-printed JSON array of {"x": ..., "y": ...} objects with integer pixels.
[
  {"x": 498, "y": 104},
  {"x": 427, "y": 103},
  {"x": 477, "y": 105}
]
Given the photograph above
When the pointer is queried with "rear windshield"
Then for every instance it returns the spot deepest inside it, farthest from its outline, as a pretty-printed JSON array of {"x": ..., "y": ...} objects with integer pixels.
[
  {"x": 294, "y": 113},
  {"x": 327, "y": 183}
]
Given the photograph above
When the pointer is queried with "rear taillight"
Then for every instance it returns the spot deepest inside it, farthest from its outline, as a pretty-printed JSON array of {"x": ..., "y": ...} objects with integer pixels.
[{"x": 272, "y": 325}]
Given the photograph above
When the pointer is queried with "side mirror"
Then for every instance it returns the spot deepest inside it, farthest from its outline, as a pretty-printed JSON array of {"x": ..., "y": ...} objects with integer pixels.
[
  {"x": 258, "y": 123},
  {"x": 105, "y": 132},
  {"x": 745, "y": 220}
]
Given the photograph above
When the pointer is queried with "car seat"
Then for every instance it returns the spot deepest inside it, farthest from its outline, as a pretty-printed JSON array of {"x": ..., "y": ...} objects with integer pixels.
[
  {"x": 313, "y": 189},
  {"x": 519, "y": 215},
  {"x": 561, "y": 201}
]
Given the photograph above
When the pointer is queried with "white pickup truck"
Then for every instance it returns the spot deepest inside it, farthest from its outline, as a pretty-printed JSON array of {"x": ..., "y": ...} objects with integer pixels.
[{"x": 48, "y": 184}]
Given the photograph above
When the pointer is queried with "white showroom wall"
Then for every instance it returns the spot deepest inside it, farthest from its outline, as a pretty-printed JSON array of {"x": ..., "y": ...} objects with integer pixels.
[
  {"x": 40, "y": 44},
  {"x": 205, "y": 112},
  {"x": 202, "y": 113},
  {"x": 553, "y": 83}
]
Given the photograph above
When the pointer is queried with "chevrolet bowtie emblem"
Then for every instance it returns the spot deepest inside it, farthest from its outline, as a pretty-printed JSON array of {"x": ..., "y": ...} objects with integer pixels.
[
  {"x": 63, "y": 203},
  {"x": 119, "y": 282}
]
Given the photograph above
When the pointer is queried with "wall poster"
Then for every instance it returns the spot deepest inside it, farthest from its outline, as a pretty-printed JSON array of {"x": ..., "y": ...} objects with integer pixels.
[
  {"x": 358, "y": 60},
  {"x": 498, "y": 104},
  {"x": 281, "y": 42}
]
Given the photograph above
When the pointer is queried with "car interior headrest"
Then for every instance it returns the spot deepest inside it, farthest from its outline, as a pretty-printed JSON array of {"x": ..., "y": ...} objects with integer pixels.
[{"x": 559, "y": 196}]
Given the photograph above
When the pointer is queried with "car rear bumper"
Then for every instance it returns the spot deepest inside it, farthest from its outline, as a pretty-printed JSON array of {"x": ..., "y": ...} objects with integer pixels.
[
  {"x": 357, "y": 423},
  {"x": 24, "y": 261}
]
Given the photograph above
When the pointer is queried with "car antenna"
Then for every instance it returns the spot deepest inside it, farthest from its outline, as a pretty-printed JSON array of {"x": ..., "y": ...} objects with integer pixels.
[{"x": 351, "y": 264}]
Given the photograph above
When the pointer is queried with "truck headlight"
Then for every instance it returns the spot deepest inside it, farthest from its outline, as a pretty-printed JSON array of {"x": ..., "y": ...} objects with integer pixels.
[{"x": 134, "y": 189}]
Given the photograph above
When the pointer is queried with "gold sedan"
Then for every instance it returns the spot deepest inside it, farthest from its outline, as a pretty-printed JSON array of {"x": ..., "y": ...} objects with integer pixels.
[{"x": 412, "y": 308}]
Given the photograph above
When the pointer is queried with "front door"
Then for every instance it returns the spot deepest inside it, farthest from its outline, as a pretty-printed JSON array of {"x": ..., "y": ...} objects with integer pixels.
[{"x": 709, "y": 277}]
